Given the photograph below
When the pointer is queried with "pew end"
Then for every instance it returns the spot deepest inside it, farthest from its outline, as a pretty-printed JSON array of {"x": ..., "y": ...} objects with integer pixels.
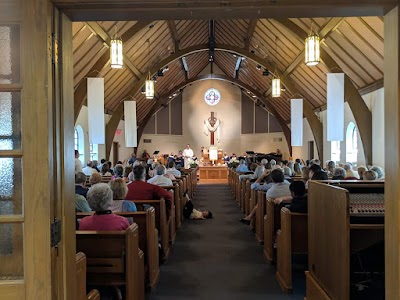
[
  {"x": 81, "y": 280},
  {"x": 291, "y": 239},
  {"x": 119, "y": 264}
]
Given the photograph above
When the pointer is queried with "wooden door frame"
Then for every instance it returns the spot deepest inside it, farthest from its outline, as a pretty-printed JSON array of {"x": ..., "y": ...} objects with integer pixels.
[{"x": 330, "y": 8}]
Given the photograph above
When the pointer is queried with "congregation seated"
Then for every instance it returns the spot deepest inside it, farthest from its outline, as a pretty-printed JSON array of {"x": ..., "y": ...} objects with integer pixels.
[
  {"x": 127, "y": 170},
  {"x": 118, "y": 171},
  {"x": 350, "y": 173},
  {"x": 159, "y": 178},
  {"x": 297, "y": 199},
  {"x": 278, "y": 188},
  {"x": 242, "y": 168},
  {"x": 94, "y": 178},
  {"x": 330, "y": 167},
  {"x": 172, "y": 169},
  {"x": 319, "y": 175},
  {"x": 81, "y": 204},
  {"x": 297, "y": 169},
  {"x": 287, "y": 172},
  {"x": 89, "y": 170},
  {"x": 80, "y": 180},
  {"x": 139, "y": 189},
  {"x": 370, "y": 175},
  {"x": 378, "y": 171},
  {"x": 258, "y": 171},
  {"x": 105, "y": 170},
  {"x": 100, "y": 200},
  {"x": 339, "y": 174},
  {"x": 119, "y": 204},
  {"x": 361, "y": 170}
]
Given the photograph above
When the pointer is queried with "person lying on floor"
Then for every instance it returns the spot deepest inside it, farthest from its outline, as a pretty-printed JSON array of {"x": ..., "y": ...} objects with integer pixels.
[{"x": 189, "y": 212}]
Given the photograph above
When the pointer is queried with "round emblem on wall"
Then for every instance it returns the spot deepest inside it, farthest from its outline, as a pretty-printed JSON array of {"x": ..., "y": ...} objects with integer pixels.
[{"x": 212, "y": 97}]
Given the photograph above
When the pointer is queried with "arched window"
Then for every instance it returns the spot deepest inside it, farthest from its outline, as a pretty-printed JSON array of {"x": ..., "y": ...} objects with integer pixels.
[
  {"x": 335, "y": 151},
  {"x": 351, "y": 143},
  {"x": 94, "y": 152},
  {"x": 76, "y": 140},
  {"x": 79, "y": 140}
]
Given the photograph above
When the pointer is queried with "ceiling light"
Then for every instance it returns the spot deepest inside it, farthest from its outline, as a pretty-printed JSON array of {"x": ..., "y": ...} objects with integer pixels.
[
  {"x": 160, "y": 73},
  {"x": 116, "y": 52},
  {"x": 258, "y": 67},
  {"x": 312, "y": 54},
  {"x": 276, "y": 87},
  {"x": 283, "y": 88}
]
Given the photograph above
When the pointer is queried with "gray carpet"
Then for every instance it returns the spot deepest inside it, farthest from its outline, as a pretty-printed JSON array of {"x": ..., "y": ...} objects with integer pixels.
[{"x": 218, "y": 258}]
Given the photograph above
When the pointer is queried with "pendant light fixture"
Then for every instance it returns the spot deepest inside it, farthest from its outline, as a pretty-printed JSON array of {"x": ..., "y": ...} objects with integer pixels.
[
  {"x": 149, "y": 87},
  {"x": 276, "y": 87},
  {"x": 116, "y": 53},
  {"x": 276, "y": 81},
  {"x": 312, "y": 43}
]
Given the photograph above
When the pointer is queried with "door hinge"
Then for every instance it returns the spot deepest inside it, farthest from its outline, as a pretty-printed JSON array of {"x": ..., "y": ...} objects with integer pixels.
[
  {"x": 54, "y": 49},
  {"x": 55, "y": 232}
]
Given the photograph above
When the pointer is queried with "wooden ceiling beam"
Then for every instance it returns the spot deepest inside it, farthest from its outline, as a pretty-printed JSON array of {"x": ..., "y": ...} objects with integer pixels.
[
  {"x": 249, "y": 33},
  {"x": 97, "y": 29},
  {"x": 315, "y": 124},
  {"x": 361, "y": 113},
  {"x": 101, "y": 10},
  {"x": 323, "y": 33},
  {"x": 80, "y": 91},
  {"x": 175, "y": 37}
]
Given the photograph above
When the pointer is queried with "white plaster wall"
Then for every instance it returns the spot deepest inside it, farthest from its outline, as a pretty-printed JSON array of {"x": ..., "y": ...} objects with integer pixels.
[
  {"x": 124, "y": 152},
  {"x": 228, "y": 110},
  {"x": 302, "y": 152},
  {"x": 375, "y": 102}
]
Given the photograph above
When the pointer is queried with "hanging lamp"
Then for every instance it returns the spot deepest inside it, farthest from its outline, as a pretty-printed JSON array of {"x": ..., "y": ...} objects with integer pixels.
[
  {"x": 276, "y": 87},
  {"x": 276, "y": 81},
  {"x": 149, "y": 87},
  {"x": 116, "y": 53},
  {"x": 312, "y": 52}
]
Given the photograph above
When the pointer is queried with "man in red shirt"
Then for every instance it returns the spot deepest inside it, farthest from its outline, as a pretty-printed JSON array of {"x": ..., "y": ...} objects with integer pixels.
[{"x": 139, "y": 189}]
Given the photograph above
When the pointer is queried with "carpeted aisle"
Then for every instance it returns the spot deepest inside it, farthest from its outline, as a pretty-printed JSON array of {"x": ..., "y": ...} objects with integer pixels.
[{"x": 217, "y": 258}]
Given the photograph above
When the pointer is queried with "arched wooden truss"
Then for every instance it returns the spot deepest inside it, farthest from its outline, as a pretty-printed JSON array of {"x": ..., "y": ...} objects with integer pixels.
[{"x": 315, "y": 124}]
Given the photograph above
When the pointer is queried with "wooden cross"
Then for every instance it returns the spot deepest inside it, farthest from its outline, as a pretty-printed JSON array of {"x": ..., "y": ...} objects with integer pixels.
[{"x": 212, "y": 120}]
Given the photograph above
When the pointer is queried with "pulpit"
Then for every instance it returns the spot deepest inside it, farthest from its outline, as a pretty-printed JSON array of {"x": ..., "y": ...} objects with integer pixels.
[{"x": 211, "y": 156}]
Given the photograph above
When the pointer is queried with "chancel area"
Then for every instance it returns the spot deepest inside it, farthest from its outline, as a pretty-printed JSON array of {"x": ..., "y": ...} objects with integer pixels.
[{"x": 199, "y": 149}]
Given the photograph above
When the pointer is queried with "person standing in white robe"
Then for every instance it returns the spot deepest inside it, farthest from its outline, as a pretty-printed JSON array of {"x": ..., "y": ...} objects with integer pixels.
[{"x": 187, "y": 154}]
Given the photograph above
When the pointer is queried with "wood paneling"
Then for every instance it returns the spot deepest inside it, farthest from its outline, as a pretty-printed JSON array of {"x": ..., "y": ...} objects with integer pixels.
[
  {"x": 176, "y": 115},
  {"x": 247, "y": 115},
  {"x": 392, "y": 154}
]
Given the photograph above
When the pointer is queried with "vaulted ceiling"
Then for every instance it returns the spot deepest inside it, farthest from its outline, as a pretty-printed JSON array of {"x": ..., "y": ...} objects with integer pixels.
[{"x": 355, "y": 44}]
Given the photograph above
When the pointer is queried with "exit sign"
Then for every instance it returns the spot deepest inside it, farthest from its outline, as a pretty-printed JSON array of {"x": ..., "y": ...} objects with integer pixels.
[{"x": 118, "y": 132}]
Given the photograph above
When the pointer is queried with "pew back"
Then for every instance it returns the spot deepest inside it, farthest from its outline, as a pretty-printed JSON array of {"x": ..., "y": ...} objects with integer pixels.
[{"x": 120, "y": 263}]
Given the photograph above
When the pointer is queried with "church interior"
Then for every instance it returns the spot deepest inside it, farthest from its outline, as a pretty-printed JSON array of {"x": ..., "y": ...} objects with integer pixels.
[{"x": 275, "y": 124}]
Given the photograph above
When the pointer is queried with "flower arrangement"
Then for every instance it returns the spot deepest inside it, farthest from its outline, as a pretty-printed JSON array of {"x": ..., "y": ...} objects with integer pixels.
[
  {"x": 193, "y": 162},
  {"x": 233, "y": 162}
]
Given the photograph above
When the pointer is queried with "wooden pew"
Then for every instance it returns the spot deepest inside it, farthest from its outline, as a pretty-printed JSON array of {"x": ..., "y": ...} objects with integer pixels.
[
  {"x": 252, "y": 203},
  {"x": 247, "y": 195},
  {"x": 174, "y": 190},
  {"x": 271, "y": 219},
  {"x": 330, "y": 245},
  {"x": 161, "y": 221},
  {"x": 178, "y": 194},
  {"x": 114, "y": 259},
  {"x": 148, "y": 241},
  {"x": 260, "y": 212},
  {"x": 291, "y": 239},
  {"x": 81, "y": 280}
]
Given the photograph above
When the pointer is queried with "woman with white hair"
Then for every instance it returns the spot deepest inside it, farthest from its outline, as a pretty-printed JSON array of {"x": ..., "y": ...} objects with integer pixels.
[
  {"x": 242, "y": 168},
  {"x": 100, "y": 197}
]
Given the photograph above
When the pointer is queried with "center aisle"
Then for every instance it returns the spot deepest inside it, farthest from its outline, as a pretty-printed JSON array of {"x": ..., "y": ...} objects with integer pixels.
[{"x": 217, "y": 258}]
